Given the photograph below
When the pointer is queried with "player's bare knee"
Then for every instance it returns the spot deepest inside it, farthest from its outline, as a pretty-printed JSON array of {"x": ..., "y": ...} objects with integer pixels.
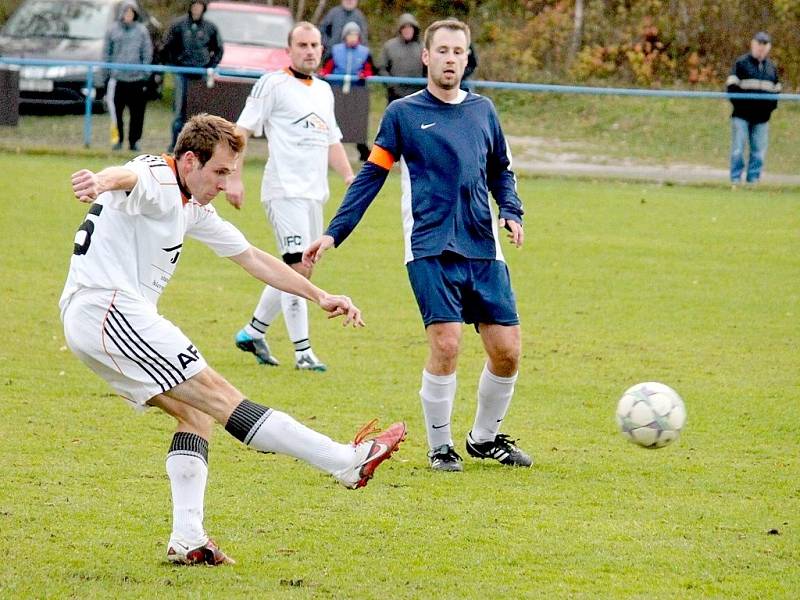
[
  {"x": 505, "y": 360},
  {"x": 217, "y": 397},
  {"x": 445, "y": 348}
]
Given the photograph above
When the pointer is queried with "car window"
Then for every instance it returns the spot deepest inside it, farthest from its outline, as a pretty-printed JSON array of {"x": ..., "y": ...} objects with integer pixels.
[
  {"x": 252, "y": 28},
  {"x": 77, "y": 19}
]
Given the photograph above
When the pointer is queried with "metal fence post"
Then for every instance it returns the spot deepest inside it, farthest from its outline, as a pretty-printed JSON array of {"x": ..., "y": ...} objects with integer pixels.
[{"x": 87, "y": 115}]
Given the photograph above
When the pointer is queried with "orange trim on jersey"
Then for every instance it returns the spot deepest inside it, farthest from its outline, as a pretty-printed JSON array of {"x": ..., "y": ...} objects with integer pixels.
[
  {"x": 103, "y": 331},
  {"x": 304, "y": 81},
  {"x": 170, "y": 160},
  {"x": 382, "y": 158}
]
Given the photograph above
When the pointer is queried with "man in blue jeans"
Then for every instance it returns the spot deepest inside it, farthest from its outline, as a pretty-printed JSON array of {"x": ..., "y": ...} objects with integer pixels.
[{"x": 752, "y": 73}]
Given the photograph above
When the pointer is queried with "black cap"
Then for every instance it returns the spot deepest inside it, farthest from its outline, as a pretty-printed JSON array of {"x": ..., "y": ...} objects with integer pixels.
[{"x": 763, "y": 37}]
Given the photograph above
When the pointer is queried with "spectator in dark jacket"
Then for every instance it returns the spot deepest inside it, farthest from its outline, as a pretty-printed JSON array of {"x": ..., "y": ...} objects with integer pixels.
[
  {"x": 752, "y": 73},
  {"x": 128, "y": 42},
  {"x": 351, "y": 98},
  {"x": 191, "y": 41},
  {"x": 401, "y": 56},
  {"x": 334, "y": 21},
  {"x": 472, "y": 64}
]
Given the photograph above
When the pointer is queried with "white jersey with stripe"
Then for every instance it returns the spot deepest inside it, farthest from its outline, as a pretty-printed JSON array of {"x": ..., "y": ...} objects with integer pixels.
[
  {"x": 131, "y": 241},
  {"x": 297, "y": 118}
]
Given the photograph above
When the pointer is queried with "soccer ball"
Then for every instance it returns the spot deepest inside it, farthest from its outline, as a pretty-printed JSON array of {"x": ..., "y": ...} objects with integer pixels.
[{"x": 651, "y": 414}]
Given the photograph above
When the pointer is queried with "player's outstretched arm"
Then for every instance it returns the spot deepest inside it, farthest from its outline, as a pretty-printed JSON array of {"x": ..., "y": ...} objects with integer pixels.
[
  {"x": 87, "y": 185},
  {"x": 316, "y": 249},
  {"x": 276, "y": 273}
]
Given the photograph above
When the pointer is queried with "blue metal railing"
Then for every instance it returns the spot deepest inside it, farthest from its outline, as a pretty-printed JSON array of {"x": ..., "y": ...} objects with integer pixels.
[{"x": 210, "y": 74}]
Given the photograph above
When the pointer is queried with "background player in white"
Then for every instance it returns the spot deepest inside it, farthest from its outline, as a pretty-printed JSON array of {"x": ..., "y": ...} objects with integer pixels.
[
  {"x": 124, "y": 255},
  {"x": 294, "y": 110},
  {"x": 453, "y": 154}
]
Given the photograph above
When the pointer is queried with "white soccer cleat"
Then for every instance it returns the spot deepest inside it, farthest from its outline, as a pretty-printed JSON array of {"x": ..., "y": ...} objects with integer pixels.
[
  {"x": 308, "y": 361},
  {"x": 370, "y": 453}
]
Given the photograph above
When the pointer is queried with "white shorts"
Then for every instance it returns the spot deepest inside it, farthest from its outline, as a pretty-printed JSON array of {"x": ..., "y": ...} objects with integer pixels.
[
  {"x": 296, "y": 222},
  {"x": 126, "y": 342}
]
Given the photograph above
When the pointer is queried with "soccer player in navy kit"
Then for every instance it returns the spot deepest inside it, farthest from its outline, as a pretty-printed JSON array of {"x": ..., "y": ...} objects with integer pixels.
[{"x": 452, "y": 153}]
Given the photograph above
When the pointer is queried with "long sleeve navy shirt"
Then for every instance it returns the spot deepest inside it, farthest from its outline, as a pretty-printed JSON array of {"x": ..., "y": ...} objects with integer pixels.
[{"x": 452, "y": 156}]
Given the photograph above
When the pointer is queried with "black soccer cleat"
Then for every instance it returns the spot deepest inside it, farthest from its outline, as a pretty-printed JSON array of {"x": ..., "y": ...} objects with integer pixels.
[
  {"x": 502, "y": 449},
  {"x": 445, "y": 458}
]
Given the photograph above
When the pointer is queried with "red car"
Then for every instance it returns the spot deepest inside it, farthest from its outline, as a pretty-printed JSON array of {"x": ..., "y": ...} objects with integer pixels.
[{"x": 253, "y": 35}]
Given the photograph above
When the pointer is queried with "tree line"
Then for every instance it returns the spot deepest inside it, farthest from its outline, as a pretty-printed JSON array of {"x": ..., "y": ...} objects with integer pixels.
[{"x": 653, "y": 43}]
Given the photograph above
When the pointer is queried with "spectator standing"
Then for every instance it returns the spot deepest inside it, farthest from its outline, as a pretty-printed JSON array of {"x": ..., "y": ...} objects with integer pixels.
[
  {"x": 128, "y": 42},
  {"x": 351, "y": 98},
  {"x": 752, "y": 73},
  {"x": 472, "y": 64},
  {"x": 401, "y": 56},
  {"x": 334, "y": 21},
  {"x": 191, "y": 41}
]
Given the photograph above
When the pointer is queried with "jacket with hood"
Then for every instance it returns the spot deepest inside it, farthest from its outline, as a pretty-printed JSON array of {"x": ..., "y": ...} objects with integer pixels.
[
  {"x": 128, "y": 43},
  {"x": 191, "y": 43},
  {"x": 334, "y": 21},
  {"x": 400, "y": 58},
  {"x": 349, "y": 60}
]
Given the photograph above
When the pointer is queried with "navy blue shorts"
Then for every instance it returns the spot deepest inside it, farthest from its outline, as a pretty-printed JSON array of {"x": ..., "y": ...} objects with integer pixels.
[{"x": 453, "y": 289}]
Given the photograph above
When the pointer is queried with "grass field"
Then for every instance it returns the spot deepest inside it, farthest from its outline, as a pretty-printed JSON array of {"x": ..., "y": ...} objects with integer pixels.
[
  {"x": 646, "y": 131},
  {"x": 697, "y": 287},
  {"x": 652, "y": 131}
]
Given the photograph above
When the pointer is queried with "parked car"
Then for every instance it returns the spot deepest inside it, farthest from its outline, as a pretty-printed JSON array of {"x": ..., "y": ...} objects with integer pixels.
[
  {"x": 254, "y": 36},
  {"x": 61, "y": 29}
]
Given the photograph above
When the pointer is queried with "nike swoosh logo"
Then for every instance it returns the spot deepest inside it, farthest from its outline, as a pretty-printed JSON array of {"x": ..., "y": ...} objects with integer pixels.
[
  {"x": 184, "y": 547},
  {"x": 439, "y": 426},
  {"x": 382, "y": 449},
  {"x": 427, "y": 125}
]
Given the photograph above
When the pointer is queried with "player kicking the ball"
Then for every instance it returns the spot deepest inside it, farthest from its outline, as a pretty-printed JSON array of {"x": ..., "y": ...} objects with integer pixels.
[
  {"x": 452, "y": 153},
  {"x": 124, "y": 255}
]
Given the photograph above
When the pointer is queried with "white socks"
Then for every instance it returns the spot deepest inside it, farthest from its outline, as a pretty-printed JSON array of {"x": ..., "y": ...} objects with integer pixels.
[
  {"x": 295, "y": 314},
  {"x": 280, "y": 433},
  {"x": 494, "y": 397},
  {"x": 268, "y": 308},
  {"x": 439, "y": 391},
  {"x": 437, "y": 395},
  {"x": 187, "y": 476}
]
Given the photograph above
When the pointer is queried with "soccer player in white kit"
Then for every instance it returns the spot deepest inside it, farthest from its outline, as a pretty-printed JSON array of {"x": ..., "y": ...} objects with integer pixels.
[
  {"x": 125, "y": 254},
  {"x": 294, "y": 110}
]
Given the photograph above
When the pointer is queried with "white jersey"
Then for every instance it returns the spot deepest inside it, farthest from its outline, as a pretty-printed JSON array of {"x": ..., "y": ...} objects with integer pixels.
[
  {"x": 131, "y": 242},
  {"x": 296, "y": 116}
]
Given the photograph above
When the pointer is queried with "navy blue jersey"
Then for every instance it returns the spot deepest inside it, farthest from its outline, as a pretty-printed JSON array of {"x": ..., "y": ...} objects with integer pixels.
[{"x": 452, "y": 156}]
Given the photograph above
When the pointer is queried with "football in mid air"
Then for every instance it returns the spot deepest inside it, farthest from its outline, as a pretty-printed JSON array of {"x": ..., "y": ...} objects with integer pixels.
[{"x": 651, "y": 414}]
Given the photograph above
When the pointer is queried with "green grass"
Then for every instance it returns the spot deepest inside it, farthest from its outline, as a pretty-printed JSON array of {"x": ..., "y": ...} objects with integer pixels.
[
  {"x": 618, "y": 283},
  {"x": 648, "y": 131},
  {"x": 651, "y": 131}
]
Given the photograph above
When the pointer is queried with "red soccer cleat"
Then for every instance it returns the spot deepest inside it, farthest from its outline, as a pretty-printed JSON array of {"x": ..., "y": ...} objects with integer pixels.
[
  {"x": 370, "y": 453},
  {"x": 207, "y": 554}
]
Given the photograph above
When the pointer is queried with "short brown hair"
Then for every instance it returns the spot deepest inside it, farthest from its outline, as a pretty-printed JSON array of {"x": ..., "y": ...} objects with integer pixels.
[
  {"x": 300, "y": 25},
  {"x": 452, "y": 24},
  {"x": 203, "y": 132}
]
